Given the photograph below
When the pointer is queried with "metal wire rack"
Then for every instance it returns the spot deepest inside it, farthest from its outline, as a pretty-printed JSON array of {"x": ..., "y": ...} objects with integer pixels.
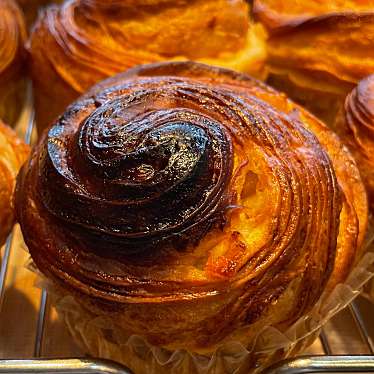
[{"x": 33, "y": 341}]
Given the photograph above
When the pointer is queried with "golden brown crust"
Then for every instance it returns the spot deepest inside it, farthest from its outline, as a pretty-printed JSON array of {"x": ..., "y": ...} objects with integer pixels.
[
  {"x": 355, "y": 125},
  {"x": 13, "y": 153},
  {"x": 319, "y": 45},
  {"x": 82, "y": 42},
  {"x": 318, "y": 61},
  {"x": 293, "y": 206},
  {"x": 277, "y": 15},
  {"x": 12, "y": 61}
]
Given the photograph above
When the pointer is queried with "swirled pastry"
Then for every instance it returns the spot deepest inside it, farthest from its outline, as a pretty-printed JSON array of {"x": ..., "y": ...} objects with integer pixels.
[
  {"x": 192, "y": 205},
  {"x": 13, "y": 153},
  {"x": 317, "y": 57},
  {"x": 82, "y": 42},
  {"x": 355, "y": 125},
  {"x": 12, "y": 54}
]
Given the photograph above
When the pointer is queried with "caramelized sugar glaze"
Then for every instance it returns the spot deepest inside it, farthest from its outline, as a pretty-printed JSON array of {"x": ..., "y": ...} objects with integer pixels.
[{"x": 192, "y": 204}]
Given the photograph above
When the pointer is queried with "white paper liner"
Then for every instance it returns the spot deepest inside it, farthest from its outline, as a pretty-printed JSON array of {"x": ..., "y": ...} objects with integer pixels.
[{"x": 100, "y": 336}]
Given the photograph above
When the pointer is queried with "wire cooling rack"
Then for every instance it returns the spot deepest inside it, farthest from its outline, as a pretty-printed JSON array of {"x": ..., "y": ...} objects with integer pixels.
[{"x": 32, "y": 340}]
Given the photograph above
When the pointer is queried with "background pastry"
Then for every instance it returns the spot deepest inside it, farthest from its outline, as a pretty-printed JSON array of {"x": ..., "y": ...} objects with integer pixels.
[
  {"x": 318, "y": 51},
  {"x": 279, "y": 14},
  {"x": 12, "y": 59},
  {"x": 13, "y": 153},
  {"x": 355, "y": 125},
  {"x": 82, "y": 42},
  {"x": 262, "y": 208}
]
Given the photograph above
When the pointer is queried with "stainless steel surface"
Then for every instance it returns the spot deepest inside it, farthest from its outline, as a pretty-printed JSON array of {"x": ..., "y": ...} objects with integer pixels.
[
  {"x": 4, "y": 267},
  {"x": 29, "y": 328},
  {"x": 324, "y": 364},
  {"x": 325, "y": 342},
  {"x": 67, "y": 366},
  {"x": 40, "y": 325},
  {"x": 361, "y": 325}
]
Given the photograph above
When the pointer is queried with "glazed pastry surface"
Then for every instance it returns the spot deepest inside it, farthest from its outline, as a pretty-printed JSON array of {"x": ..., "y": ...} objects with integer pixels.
[
  {"x": 192, "y": 204},
  {"x": 355, "y": 125},
  {"x": 81, "y": 42},
  {"x": 12, "y": 59},
  {"x": 13, "y": 152}
]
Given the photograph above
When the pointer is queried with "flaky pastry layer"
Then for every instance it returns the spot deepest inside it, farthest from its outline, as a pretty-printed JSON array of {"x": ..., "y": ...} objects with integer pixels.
[
  {"x": 13, "y": 153},
  {"x": 81, "y": 42}
]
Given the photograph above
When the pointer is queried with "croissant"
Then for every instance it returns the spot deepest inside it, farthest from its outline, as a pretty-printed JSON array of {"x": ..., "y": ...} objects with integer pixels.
[
  {"x": 191, "y": 205},
  {"x": 82, "y": 42},
  {"x": 13, "y": 152},
  {"x": 318, "y": 51},
  {"x": 355, "y": 126},
  {"x": 12, "y": 59}
]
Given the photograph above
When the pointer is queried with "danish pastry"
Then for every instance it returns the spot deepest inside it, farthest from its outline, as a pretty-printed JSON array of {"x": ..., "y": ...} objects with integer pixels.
[
  {"x": 191, "y": 205},
  {"x": 81, "y": 42}
]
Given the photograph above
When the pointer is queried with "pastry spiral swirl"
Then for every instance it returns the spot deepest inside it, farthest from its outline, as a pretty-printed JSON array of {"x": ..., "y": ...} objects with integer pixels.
[
  {"x": 191, "y": 203},
  {"x": 81, "y": 42},
  {"x": 355, "y": 125},
  {"x": 127, "y": 167},
  {"x": 12, "y": 58}
]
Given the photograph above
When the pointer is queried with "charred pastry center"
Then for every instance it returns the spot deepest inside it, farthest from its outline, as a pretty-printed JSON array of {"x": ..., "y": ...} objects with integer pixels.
[{"x": 140, "y": 178}]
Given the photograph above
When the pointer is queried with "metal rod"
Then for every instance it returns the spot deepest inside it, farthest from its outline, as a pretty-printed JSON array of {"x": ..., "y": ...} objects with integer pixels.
[
  {"x": 4, "y": 267},
  {"x": 30, "y": 127},
  {"x": 64, "y": 366},
  {"x": 361, "y": 326},
  {"x": 40, "y": 324},
  {"x": 323, "y": 364},
  {"x": 325, "y": 343},
  {"x": 8, "y": 244}
]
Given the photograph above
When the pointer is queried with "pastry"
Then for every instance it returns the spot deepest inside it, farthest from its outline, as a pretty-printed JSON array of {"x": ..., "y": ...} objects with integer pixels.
[
  {"x": 355, "y": 126},
  {"x": 13, "y": 152},
  {"x": 12, "y": 58},
  {"x": 318, "y": 51},
  {"x": 191, "y": 205},
  {"x": 279, "y": 14},
  {"x": 82, "y": 42}
]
